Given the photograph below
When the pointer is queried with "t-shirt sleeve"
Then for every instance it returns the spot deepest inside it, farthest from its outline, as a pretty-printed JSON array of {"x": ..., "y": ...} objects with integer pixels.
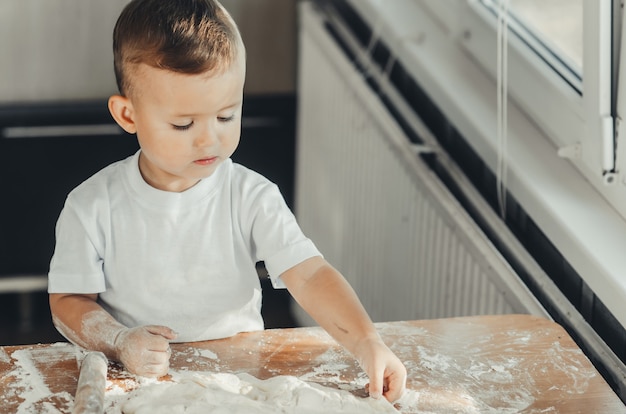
[
  {"x": 76, "y": 265},
  {"x": 277, "y": 237}
]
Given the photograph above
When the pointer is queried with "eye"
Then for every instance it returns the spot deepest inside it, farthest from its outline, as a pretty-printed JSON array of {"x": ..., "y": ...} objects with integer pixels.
[
  {"x": 182, "y": 127},
  {"x": 226, "y": 119}
]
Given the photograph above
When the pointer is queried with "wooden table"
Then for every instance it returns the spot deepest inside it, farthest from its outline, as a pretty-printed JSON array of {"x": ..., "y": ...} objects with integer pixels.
[{"x": 499, "y": 364}]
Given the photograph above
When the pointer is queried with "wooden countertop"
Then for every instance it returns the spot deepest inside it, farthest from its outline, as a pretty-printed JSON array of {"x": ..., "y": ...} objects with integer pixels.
[{"x": 503, "y": 363}]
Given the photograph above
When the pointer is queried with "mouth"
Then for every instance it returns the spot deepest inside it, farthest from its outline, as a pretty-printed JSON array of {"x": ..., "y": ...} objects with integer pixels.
[{"x": 205, "y": 161}]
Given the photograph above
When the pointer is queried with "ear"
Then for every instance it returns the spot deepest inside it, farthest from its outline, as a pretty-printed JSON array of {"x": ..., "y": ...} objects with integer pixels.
[{"x": 121, "y": 109}]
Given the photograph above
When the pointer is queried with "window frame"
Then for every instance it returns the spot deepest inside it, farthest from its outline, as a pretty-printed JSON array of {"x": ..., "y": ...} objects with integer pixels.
[{"x": 576, "y": 119}]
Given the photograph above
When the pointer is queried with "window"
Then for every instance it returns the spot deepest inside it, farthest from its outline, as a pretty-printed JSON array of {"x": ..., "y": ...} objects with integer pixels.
[
  {"x": 556, "y": 26},
  {"x": 560, "y": 73},
  {"x": 564, "y": 168}
]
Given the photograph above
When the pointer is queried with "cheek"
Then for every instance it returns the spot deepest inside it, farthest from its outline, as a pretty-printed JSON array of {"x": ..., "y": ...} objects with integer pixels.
[
  {"x": 234, "y": 138},
  {"x": 158, "y": 142},
  {"x": 235, "y": 133}
]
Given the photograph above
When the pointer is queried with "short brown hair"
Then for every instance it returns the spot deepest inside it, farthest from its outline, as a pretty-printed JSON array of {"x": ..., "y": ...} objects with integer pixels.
[{"x": 186, "y": 36}]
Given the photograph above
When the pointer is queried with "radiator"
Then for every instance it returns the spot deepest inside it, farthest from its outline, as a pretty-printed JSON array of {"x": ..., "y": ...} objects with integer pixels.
[{"x": 376, "y": 211}]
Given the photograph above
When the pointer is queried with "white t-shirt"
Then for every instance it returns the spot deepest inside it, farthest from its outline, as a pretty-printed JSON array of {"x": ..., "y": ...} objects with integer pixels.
[{"x": 183, "y": 260}]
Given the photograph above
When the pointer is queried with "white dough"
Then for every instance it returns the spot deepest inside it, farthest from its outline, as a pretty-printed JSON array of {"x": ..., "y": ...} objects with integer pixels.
[{"x": 243, "y": 393}]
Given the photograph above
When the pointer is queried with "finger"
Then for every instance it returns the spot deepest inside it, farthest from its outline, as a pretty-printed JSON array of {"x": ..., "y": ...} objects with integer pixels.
[
  {"x": 162, "y": 369},
  {"x": 161, "y": 346},
  {"x": 376, "y": 384},
  {"x": 395, "y": 386},
  {"x": 156, "y": 363},
  {"x": 163, "y": 331},
  {"x": 157, "y": 357},
  {"x": 154, "y": 370},
  {"x": 154, "y": 340},
  {"x": 385, "y": 388}
]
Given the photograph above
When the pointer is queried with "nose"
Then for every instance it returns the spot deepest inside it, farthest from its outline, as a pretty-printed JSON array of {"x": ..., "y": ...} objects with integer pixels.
[{"x": 206, "y": 137}]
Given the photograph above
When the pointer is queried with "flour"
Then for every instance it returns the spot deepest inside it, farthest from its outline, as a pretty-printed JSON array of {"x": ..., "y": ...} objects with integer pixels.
[
  {"x": 205, "y": 353},
  {"x": 31, "y": 377},
  {"x": 576, "y": 377},
  {"x": 243, "y": 393},
  {"x": 4, "y": 357},
  {"x": 97, "y": 325},
  {"x": 35, "y": 396},
  {"x": 333, "y": 369},
  {"x": 468, "y": 382}
]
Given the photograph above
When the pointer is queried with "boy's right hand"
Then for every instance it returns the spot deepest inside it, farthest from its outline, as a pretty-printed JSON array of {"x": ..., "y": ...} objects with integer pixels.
[{"x": 145, "y": 350}]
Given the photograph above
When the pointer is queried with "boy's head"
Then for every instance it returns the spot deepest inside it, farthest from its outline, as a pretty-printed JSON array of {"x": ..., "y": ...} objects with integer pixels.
[
  {"x": 184, "y": 36},
  {"x": 180, "y": 67}
]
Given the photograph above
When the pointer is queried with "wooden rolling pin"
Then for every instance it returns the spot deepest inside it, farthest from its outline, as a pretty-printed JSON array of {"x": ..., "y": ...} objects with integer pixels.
[{"x": 89, "y": 397}]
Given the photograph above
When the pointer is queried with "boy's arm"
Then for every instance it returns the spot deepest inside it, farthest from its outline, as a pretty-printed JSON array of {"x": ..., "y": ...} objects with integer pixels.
[
  {"x": 83, "y": 321},
  {"x": 325, "y": 295},
  {"x": 143, "y": 350}
]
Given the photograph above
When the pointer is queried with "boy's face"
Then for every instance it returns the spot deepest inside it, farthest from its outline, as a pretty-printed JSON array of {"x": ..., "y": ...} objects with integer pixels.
[{"x": 186, "y": 125}]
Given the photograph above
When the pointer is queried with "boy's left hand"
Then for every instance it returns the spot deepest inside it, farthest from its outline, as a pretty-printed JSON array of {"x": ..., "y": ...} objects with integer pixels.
[{"x": 386, "y": 373}]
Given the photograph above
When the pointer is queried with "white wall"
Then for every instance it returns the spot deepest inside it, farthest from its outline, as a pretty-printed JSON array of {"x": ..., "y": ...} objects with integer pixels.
[
  {"x": 61, "y": 49},
  {"x": 58, "y": 49}
]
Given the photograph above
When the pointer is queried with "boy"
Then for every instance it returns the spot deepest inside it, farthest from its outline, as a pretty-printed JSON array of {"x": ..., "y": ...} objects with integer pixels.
[{"x": 161, "y": 246}]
